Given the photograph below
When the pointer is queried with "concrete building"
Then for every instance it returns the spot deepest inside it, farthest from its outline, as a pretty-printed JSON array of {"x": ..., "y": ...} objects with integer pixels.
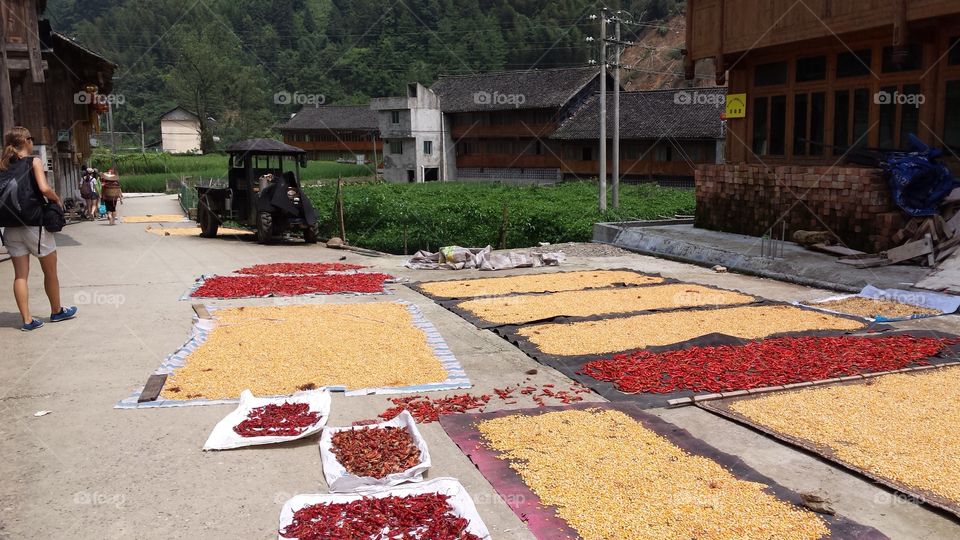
[
  {"x": 335, "y": 133},
  {"x": 418, "y": 146},
  {"x": 180, "y": 131}
]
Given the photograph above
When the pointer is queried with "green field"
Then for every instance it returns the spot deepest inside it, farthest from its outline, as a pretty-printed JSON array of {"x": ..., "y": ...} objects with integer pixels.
[
  {"x": 380, "y": 216},
  {"x": 148, "y": 173}
]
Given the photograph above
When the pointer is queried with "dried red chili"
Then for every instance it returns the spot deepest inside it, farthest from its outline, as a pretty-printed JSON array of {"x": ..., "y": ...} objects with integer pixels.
[
  {"x": 284, "y": 420},
  {"x": 375, "y": 452},
  {"x": 428, "y": 516},
  {"x": 300, "y": 269},
  {"x": 770, "y": 362},
  {"x": 426, "y": 410},
  {"x": 284, "y": 285}
]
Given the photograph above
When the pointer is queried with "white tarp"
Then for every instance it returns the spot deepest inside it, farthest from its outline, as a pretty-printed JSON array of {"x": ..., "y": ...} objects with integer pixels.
[
  {"x": 944, "y": 303},
  {"x": 459, "y": 500},
  {"x": 223, "y": 437},
  {"x": 340, "y": 481},
  {"x": 459, "y": 258}
]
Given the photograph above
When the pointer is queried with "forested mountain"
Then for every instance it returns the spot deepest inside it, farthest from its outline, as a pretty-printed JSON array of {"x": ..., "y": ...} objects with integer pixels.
[{"x": 228, "y": 58}]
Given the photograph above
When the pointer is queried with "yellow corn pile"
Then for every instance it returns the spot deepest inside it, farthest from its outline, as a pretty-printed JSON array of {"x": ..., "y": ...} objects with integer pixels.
[
  {"x": 532, "y": 283},
  {"x": 524, "y": 308},
  {"x": 639, "y": 331},
  {"x": 276, "y": 350},
  {"x": 904, "y": 427},
  {"x": 868, "y": 307},
  {"x": 610, "y": 477}
]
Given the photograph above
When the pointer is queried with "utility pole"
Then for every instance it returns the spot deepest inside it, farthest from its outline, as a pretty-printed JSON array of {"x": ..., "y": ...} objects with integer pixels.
[
  {"x": 618, "y": 44},
  {"x": 616, "y": 114},
  {"x": 143, "y": 142},
  {"x": 113, "y": 134},
  {"x": 603, "y": 110}
]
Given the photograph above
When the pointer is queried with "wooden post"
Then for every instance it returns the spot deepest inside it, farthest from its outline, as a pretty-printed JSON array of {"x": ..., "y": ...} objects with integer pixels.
[
  {"x": 343, "y": 229},
  {"x": 6, "y": 95},
  {"x": 503, "y": 225}
]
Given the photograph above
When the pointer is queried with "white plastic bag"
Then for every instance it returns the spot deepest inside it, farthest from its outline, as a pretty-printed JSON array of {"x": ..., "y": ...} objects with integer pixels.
[
  {"x": 459, "y": 500},
  {"x": 224, "y": 437},
  {"x": 341, "y": 481}
]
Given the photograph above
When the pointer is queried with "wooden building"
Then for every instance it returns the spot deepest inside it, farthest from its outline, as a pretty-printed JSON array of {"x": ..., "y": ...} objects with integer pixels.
[
  {"x": 335, "y": 133},
  {"x": 54, "y": 87},
  {"x": 502, "y": 121},
  {"x": 664, "y": 135},
  {"x": 822, "y": 79}
]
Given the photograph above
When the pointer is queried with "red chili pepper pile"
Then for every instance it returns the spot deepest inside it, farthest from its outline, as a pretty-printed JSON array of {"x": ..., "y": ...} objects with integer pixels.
[
  {"x": 770, "y": 362},
  {"x": 285, "y": 420},
  {"x": 428, "y": 516},
  {"x": 282, "y": 285},
  {"x": 300, "y": 269},
  {"x": 427, "y": 410},
  {"x": 375, "y": 452}
]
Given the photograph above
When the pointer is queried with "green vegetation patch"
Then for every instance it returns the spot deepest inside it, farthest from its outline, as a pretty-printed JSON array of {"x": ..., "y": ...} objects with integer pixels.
[{"x": 427, "y": 216}]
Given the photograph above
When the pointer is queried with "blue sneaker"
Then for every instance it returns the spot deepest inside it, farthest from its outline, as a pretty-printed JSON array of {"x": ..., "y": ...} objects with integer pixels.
[
  {"x": 32, "y": 325},
  {"x": 66, "y": 313}
]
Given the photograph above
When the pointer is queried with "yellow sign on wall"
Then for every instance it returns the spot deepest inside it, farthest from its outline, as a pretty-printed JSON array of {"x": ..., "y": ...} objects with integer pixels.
[{"x": 736, "y": 106}]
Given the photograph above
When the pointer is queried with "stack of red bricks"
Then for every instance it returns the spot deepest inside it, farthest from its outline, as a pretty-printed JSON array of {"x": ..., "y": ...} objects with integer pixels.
[{"x": 854, "y": 203}]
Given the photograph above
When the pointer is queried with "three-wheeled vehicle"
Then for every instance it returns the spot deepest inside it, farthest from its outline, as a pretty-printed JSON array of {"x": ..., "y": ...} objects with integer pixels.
[{"x": 263, "y": 192}]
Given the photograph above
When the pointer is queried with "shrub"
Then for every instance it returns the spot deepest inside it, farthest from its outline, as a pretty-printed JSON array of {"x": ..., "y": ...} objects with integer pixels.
[{"x": 381, "y": 216}]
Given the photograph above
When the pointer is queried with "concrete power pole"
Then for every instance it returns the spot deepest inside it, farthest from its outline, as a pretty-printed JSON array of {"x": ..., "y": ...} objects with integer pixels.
[
  {"x": 603, "y": 110},
  {"x": 616, "y": 115}
]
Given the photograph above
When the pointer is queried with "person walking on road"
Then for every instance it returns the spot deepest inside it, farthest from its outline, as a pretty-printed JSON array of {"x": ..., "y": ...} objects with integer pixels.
[
  {"x": 111, "y": 194},
  {"x": 23, "y": 193},
  {"x": 90, "y": 192}
]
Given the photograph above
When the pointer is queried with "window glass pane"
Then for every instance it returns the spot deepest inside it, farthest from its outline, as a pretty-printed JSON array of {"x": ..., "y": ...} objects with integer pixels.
[
  {"x": 953, "y": 57},
  {"x": 770, "y": 74},
  {"x": 888, "y": 116},
  {"x": 778, "y": 125},
  {"x": 800, "y": 124},
  {"x": 760, "y": 126},
  {"x": 913, "y": 60},
  {"x": 951, "y": 129},
  {"x": 811, "y": 69},
  {"x": 853, "y": 64},
  {"x": 841, "y": 115},
  {"x": 861, "y": 117},
  {"x": 817, "y": 111},
  {"x": 428, "y": 147},
  {"x": 909, "y": 114}
]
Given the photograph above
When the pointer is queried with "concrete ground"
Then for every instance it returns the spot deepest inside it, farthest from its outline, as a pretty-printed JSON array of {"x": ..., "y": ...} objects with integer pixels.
[{"x": 89, "y": 471}]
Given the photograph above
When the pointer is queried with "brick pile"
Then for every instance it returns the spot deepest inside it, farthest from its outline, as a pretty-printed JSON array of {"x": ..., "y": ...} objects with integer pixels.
[{"x": 852, "y": 202}]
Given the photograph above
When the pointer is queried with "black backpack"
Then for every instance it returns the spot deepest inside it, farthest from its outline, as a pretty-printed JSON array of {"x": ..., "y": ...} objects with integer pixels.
[{"x": 20, "y": 200}]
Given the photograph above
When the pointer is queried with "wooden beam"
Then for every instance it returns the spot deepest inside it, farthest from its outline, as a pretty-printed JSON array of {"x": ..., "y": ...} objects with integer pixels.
[
  {"x": 151, "y": 390},
  {"x": 33, "y": 44},
  {"x": 6, "y": 94},
  {"x": 911, "y": 250}
]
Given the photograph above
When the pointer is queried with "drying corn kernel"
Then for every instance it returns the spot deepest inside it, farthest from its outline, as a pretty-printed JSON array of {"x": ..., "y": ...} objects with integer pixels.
[
  {"x": 276, "y": 350},
  {"x": 533, "y": 283},
  {"x": 608, "y": 476}
]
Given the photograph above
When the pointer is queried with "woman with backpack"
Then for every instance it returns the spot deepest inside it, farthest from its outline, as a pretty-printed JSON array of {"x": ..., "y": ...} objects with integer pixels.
[
  {"x": 90, "y": 192},
  {"x": 24, "y": 194}
]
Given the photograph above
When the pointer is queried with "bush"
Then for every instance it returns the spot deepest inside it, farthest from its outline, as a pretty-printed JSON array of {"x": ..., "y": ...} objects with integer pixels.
[{"x": 380, "y": 216}]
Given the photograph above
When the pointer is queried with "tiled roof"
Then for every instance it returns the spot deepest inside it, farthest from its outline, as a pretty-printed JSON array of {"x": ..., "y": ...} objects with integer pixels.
[
  {"x": 358, "y": 117},
  {"x": 651, "y": 115},
  {"x": 529, "y": 89}
]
